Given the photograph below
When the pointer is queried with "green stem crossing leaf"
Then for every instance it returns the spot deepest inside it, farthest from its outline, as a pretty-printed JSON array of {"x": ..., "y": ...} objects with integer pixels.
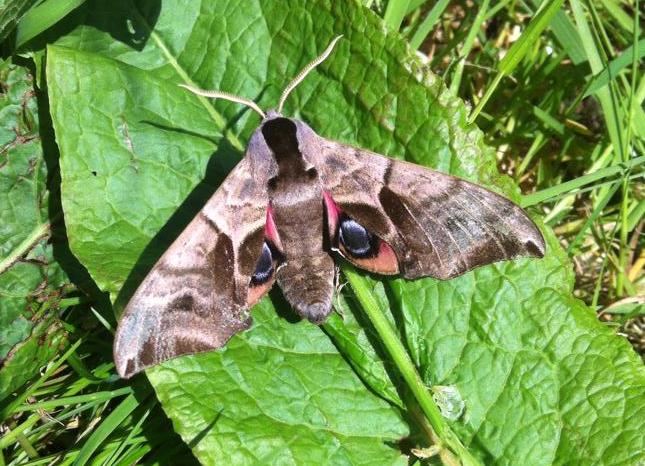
[{"x": 406, "y": 368}]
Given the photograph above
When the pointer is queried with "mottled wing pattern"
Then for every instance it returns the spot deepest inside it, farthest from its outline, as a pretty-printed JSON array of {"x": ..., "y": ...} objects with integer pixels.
[
  {"x": 437, "y": 224},
  {"x": 195, "y": 298}
]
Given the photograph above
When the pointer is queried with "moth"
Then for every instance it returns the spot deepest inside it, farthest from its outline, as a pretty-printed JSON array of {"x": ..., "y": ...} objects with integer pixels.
[{"x": 293, "y": 201}]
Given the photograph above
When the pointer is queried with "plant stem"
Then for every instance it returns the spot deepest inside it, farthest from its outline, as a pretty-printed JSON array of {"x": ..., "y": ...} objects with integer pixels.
[
  {"x": 519, "y": 49},
  {"x": 39, "y": 232},
  {"x": 405, "y": 366},
  {"x": 467, "y": 47},
  {"x": 395, "y": 12},
  {"x": 428, "y": 23}
]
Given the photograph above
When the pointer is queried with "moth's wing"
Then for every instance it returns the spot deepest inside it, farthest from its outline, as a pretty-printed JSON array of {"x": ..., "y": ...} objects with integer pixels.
[
  {"x": 436, "y": 224},
  {"x": 195, "y": 297}
]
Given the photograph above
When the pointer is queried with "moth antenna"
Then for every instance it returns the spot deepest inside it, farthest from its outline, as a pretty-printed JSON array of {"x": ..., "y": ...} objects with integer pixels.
[
  {"x": 225, "y": 96},
  {"x": 305, "y": 71}
]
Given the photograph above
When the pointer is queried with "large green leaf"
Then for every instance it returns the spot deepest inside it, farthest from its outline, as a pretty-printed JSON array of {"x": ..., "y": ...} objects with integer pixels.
[
  {"x": 134, "y": 148},
  {"x": 30, "y": 278}
]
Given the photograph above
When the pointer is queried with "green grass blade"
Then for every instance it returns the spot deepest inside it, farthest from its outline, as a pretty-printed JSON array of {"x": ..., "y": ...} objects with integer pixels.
[
  {"x": 395, "y": 12},
  {"x": 428, "y": 23},
  {"x": 636, "y": 214},
  {"x": 530, "y": 37},
  {"x": 623, "y": 254},
  {"x": 136, "y": 429},
  {"x": 618, "y": 64},
  {"x": 549, "y": 121},
  {"x": 42, "y": 17},
  {"x": 414, "y": 4},
  {"x": 595, "y": 186},
  {"x": 468, "y": 45},
  {"x": 519, "y": 49},
  {"x": 78, "y": 365},
  {"x": 565, "y": 32},
  {"x": 638, "y": 121},
  {"x": 607, "y": 102},
  {"x": 107, "y": 427},
  {"x": 569, "y": 186},
  {"x": 11, "y": 407},
  {"x": 71, "y": 400},
  {"x": 616, "y": 11},
  {"x": 600, "y": 206}
]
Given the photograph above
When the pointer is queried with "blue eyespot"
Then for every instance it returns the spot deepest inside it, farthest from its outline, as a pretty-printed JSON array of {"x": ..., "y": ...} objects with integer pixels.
[
  {"x": 264, "y": 267},
  {"x": 355, "y": 238}
]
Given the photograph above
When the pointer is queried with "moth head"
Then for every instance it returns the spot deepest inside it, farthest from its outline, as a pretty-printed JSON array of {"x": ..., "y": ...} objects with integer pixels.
[{"x": 292, "y": 85}]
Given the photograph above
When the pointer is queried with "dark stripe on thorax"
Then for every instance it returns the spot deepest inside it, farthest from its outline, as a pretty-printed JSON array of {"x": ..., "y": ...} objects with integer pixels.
[{"x": 281, "y": 136}]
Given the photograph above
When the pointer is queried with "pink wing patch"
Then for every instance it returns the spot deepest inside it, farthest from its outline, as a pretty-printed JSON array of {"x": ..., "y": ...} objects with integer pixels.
[
  {"x": 270, "y": 230},
  {"x": 385, "y": 262},
  {"x": 272, "y": 242},
  {"x": 333, "y": 212}
]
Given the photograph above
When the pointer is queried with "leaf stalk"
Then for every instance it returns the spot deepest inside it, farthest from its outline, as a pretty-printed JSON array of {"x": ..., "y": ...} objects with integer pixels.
[{"x": 405, "y": 366}]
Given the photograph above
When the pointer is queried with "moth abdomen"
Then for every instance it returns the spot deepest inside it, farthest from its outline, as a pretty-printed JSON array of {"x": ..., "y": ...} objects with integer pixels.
[
  {"x": 316, "y": 313},
  {"x": 307, "y": 282}
]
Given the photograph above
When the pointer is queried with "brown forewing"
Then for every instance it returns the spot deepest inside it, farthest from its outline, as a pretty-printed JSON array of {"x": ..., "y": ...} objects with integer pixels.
[{"x": 195, "y": 298}]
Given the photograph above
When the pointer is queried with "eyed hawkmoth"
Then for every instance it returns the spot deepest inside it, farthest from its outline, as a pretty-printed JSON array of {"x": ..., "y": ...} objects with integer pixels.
[{"x": 293, "y": 199}]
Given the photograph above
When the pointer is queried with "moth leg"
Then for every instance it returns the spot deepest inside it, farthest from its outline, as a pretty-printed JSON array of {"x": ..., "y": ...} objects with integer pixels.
[{"x": 338, "y": 289}]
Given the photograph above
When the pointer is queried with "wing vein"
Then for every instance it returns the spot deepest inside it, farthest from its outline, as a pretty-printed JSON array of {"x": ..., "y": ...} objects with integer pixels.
[{"x": 484, "y": 225}]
